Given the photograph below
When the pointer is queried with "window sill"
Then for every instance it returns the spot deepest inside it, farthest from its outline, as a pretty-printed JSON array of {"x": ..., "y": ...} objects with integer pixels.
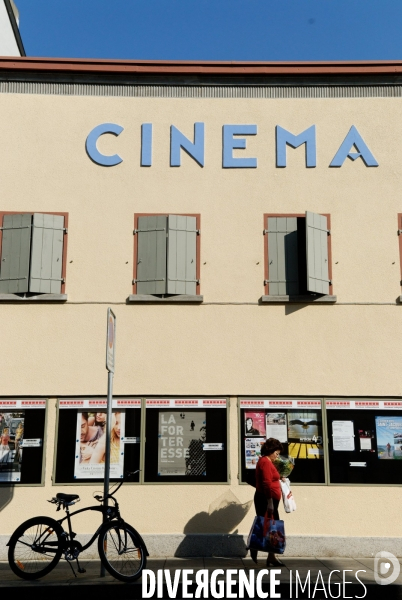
[
  {"x": 298, "y": 299},
  {"x": 37, "y": 298},
  {"x": 148, "y": 298}
]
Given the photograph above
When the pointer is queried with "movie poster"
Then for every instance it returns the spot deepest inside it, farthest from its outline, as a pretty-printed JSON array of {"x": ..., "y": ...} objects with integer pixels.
[
  {"x": 276, "y": 426},
  {"x": 181, "y": 437},
  {"x": 252, "y": 448},
  {"x": 254, "y": 424},
  {"x": 11, "y": 438},
  {"x": 389, "y": 437},
  {"x": 90, "y": 445},
  {"x": 305, "y": 434}
]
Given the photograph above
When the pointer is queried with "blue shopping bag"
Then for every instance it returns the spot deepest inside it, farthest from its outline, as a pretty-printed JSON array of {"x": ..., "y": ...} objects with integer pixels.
[{"x": 267, "y": 535}]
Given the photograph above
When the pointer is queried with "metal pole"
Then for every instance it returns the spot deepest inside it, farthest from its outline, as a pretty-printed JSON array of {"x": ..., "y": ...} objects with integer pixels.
[{"x": 107, "y": 447}]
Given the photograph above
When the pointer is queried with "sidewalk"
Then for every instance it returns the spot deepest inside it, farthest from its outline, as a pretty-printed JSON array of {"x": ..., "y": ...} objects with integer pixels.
[{"x": 61, "y": 583}]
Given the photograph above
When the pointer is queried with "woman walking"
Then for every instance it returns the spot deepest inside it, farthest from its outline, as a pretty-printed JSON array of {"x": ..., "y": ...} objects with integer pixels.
[{"x": 268, "y": 489}]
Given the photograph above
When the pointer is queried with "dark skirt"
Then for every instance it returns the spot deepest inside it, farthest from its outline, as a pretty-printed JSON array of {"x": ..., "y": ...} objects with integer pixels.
[{"x": 260, "y": 503}]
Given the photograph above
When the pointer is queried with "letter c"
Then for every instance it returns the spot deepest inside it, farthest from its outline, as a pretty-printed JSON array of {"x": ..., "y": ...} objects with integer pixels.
[{"x": 92, "y": 150}]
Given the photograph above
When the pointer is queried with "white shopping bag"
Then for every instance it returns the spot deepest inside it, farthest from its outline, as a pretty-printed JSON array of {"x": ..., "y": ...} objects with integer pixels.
[{"x": 287, "y": 496}]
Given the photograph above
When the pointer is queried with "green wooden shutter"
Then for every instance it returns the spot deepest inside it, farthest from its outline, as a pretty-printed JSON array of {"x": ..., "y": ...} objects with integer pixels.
[
  {"x": 317, "y": 253},
  {"x": 151, "y": 255},
  {"x": 46, "y": 254},
  {"x": 15, "y": 251},
  {"x": 182, "y": 255},
  {"x": 283, "y": 256}
]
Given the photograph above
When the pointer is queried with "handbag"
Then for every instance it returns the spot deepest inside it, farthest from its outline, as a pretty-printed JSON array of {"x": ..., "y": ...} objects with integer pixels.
[
  {"x": 287, "y": 496},
  {"x": 267, "y": 534}
]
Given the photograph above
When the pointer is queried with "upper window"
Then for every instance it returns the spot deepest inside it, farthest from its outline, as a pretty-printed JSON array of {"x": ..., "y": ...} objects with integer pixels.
[
  {"x": 167, "y": 257},
  {"x": 33, "y": 253},
  {"x": 297, "y": 257},
  {"x": 400, "y": 248}
]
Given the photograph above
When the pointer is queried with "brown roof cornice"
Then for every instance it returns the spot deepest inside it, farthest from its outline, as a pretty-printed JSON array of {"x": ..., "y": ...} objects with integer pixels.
[{"x": 161, "y": 67}]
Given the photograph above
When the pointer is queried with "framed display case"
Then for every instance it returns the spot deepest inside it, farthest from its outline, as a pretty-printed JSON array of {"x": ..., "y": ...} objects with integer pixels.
[
  {"x": 364, "y": 441},
  {"x": 296, "y": 422},
  {"x": 80, "y": 440},
  {"x": 186, "y": 440},
  {"x": 22, "y": 441}
]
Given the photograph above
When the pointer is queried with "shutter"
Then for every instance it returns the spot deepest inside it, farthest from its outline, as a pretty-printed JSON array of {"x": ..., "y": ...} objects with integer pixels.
[
  {"x": 46, "y": 254},
  {"x": 283, "y": 256},
  {"x": 15, "y": 251},
  {"x": 317, "y": 253},
  {"x": 182, "y": 255},
  {"x": 151, "y": 255}
]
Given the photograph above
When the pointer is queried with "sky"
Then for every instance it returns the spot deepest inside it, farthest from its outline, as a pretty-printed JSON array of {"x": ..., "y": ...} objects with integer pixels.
[{"x": 249, "y": 30}]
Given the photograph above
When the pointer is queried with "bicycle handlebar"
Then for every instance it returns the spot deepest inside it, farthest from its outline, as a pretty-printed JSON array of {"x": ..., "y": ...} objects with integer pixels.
[{"x": 110, "y": 495}]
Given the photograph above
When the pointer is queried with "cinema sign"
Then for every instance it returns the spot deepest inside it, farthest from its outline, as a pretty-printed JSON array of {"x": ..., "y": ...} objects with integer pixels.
[{"x": 233, "y": 138}]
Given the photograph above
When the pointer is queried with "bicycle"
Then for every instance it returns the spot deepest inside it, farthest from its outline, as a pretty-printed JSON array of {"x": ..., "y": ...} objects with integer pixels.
[{"x": 37, "y": 545}]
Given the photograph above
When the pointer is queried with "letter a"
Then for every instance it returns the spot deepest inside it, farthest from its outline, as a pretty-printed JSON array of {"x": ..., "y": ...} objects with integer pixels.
[{"x": 353, "y": 139}]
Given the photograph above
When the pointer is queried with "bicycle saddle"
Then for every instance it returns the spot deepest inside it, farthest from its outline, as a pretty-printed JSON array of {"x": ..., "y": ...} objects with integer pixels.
[{"x": 67, "y": 497}]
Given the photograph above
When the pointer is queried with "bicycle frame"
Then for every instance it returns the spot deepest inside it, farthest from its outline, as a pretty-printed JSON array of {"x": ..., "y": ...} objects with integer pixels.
[{"x": 108, "y": 512}]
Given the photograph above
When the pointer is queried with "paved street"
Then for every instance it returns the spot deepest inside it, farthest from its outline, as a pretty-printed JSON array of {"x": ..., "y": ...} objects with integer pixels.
[{"x": 62, "y": 581}]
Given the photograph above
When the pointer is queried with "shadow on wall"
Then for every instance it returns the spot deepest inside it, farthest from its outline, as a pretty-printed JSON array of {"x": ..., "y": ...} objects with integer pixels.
[
  {"x": 6, "y": 495},
  {"x": 214, "y": 533}
]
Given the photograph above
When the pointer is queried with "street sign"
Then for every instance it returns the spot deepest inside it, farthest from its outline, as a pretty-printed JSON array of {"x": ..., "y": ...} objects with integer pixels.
[{"x": 110, "y": 340}]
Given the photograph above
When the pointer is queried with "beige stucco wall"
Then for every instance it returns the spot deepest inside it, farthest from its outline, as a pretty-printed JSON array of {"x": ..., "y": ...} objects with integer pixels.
[{"x": 229, "y": 345}]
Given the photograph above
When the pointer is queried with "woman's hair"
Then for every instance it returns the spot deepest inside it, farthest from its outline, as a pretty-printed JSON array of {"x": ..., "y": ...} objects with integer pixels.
[
  {"x": 114, "y": 438},
  {"x": 270, "y": 446}
]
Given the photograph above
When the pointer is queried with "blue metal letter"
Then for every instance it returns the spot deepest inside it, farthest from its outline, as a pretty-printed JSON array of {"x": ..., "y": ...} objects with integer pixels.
[
  {"x": 230, "y": 143},
  {"x": 92, "y": 150},
  {"x": 353, "y": 139},
  {"x": 284, "y": 137},
  {"x": 146, "y": 145},
  {"x": 178, "y": 140}
]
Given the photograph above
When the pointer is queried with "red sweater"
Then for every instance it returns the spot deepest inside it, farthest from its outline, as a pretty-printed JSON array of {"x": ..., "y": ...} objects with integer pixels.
[{"x": 267, "y": 479}]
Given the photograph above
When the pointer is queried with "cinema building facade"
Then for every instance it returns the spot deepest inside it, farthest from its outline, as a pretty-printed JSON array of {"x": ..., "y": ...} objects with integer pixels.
[{"x": 242, "y": 221}]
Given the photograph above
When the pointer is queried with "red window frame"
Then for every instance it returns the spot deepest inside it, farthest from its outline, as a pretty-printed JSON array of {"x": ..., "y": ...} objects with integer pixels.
[
  {"x": 198, "y": 243},
  {"x": 266, "y": 257},
  {"x": 24, "y": 212}
]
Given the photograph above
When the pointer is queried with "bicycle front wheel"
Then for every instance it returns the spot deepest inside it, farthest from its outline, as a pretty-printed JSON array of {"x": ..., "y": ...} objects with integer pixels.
[
  {"x": 121, "y": 551},
  {"x": 35, "y": 547}
]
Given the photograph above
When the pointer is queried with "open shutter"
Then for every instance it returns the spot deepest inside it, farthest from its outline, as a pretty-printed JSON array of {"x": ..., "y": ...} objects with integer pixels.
[
  {"x": 282, "y": 256},
  {"x": 182, "y": 255},
  {"x": 151, "y": 255},
  {"x": 15, "y": 252},
  {"x": 317, "y": 253},
  {"x": 46, "y": 254}
]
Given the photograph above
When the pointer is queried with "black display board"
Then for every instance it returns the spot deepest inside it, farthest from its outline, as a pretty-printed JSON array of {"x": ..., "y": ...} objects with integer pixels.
[
  {"x": 376, "y": 457},
  {"x": 66, "y": 445},
  {"x": 299, "y": 430},
  {"x": 19, "y": 464},
  {"x": 175, "y": 442}
]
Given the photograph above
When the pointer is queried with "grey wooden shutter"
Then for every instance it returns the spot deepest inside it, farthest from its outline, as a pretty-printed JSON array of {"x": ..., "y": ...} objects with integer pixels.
[
  {"x": 151, "y": 255},
  {"x": 317, "y": 253},
  {"x": 182, "y": 255},
  {"x": 282, "y": 256},
  {"x": 15, "y": 251},
  {"x": 46, "y": 254}
]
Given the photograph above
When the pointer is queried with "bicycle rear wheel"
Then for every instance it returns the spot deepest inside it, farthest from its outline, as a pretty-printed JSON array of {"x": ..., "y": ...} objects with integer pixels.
[
  {"x": 35, "y": 547},
  {"x": 121, "y": 551}
]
